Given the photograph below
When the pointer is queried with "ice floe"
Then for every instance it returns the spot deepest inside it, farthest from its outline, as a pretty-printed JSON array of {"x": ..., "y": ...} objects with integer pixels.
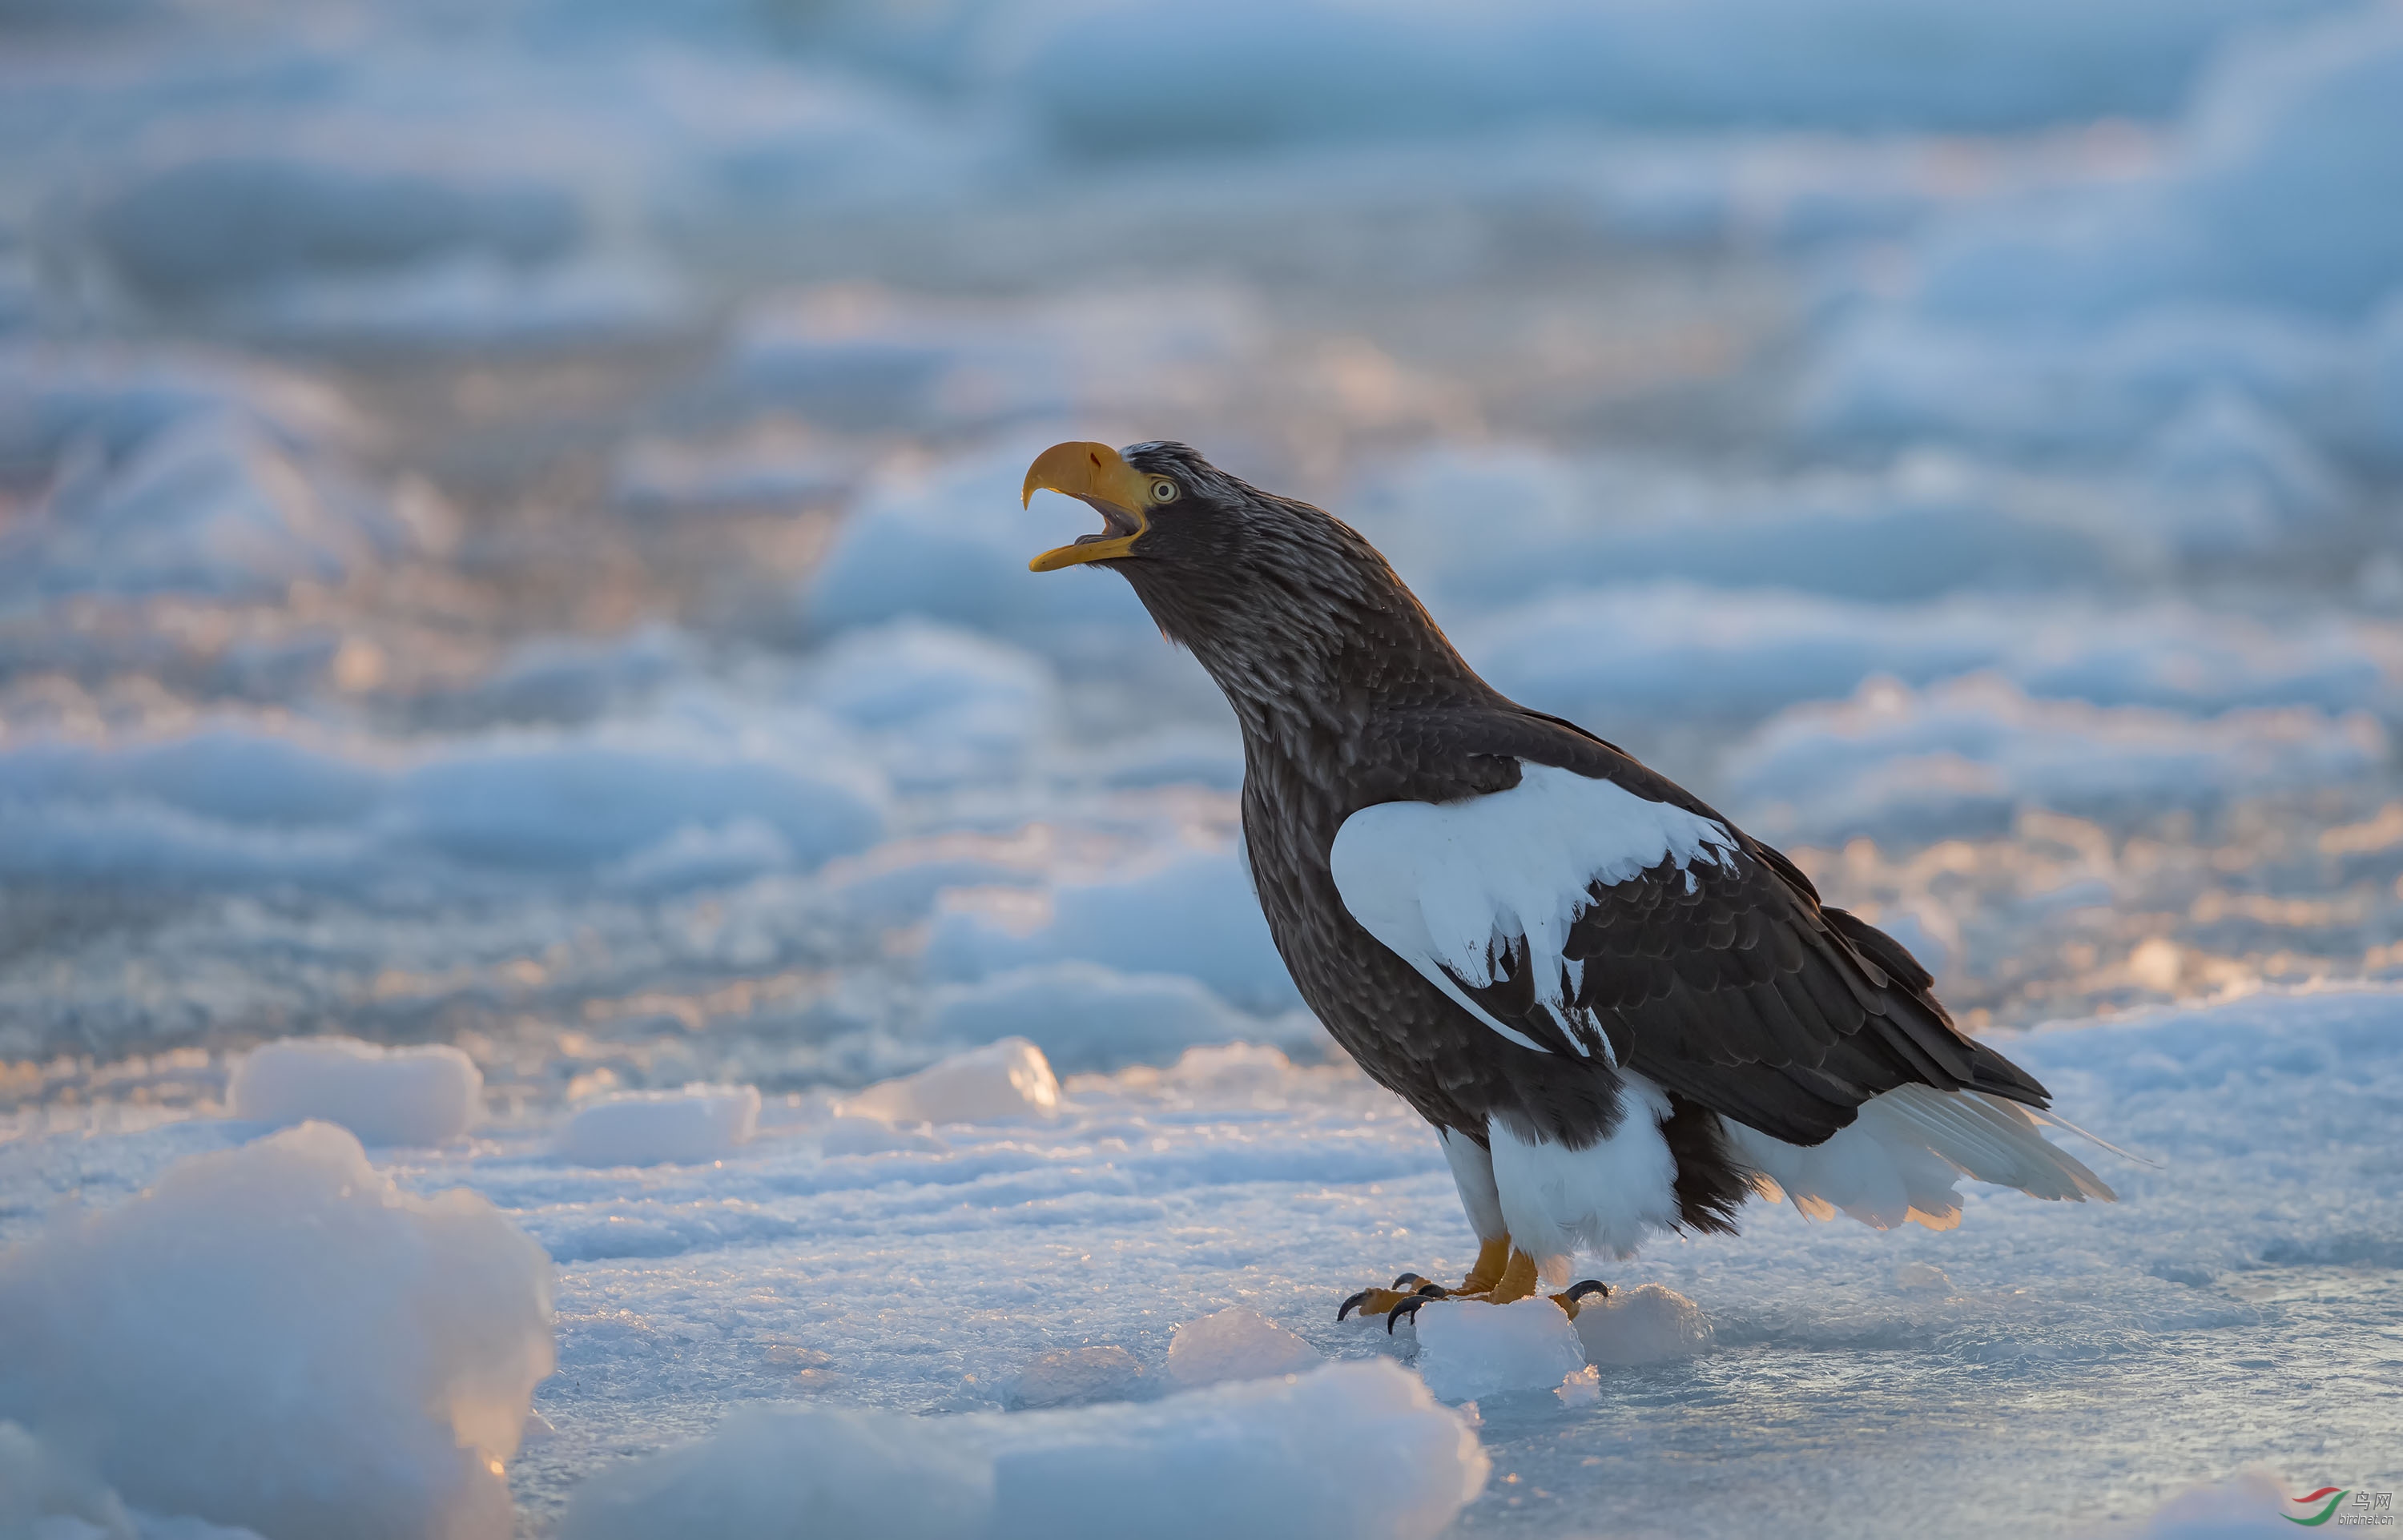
[
  {"x": 421, "y": 1095},
  {"x": 1193, "y": 914},
  {"x": 1962, "y": 757},
  {"x": 2252, "y": 266},
  {"x": 652, "y": 1127}
]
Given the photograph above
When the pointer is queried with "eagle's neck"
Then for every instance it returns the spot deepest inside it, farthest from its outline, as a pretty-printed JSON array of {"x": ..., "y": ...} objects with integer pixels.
[{"x": 1311, "y": 641}]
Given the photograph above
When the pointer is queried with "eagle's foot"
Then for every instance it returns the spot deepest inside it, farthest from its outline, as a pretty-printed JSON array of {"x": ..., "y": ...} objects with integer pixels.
[
  {"x": 1409, "y": 1285},
  {"x": 1495, "y": 1268},
  {"x": 1569, "y": 1299},
  {"x": 1577, "y": 1294},
  {"x": 1503, "y": 1274}
]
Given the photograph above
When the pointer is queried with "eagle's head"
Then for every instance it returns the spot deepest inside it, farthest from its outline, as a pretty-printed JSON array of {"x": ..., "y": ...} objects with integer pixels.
[
  {"x": 1168, "y": 512},
  {"x": 1271, "y": 594}
]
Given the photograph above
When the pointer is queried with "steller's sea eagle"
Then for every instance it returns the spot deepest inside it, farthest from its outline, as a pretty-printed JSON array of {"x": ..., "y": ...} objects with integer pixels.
[{"x": 1621, "y": 1012}]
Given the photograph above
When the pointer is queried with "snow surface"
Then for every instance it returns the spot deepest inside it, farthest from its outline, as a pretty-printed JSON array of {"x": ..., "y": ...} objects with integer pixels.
[
  {"x": 511, "y": 543},
  {"x": 930, "y": 1281},
  {"x": 429, "y": 1094}
]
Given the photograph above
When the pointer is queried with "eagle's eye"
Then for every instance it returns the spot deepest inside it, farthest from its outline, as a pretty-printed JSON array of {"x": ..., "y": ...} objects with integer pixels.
[{"x": 1163, "y": 490}]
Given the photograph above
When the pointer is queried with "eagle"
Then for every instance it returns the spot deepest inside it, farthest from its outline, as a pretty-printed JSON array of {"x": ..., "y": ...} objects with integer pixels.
[{"x": 1621, "y": 1013}]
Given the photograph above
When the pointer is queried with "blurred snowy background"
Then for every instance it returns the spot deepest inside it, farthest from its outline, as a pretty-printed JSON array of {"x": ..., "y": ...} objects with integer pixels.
[{"x": 509, "y": 540}]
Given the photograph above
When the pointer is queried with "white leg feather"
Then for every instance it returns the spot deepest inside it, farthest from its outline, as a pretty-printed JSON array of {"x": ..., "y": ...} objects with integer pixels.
[
  {"x": 1605, "y": 1198},
  {"x": 1472, "y": 1173}
]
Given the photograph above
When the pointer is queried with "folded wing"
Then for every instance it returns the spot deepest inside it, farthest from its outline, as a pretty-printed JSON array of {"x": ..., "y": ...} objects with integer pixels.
[{"x": 1595, "y": 910}]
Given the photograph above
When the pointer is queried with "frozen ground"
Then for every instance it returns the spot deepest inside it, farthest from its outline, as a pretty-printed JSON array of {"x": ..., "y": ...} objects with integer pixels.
[
  {"x": 2043, "y": 1369},
  {"x": 509, "y": 554}
]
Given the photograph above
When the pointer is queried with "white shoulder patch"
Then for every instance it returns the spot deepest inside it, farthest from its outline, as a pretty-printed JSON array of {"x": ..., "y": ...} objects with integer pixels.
[{"x": 1446, "y": 884}]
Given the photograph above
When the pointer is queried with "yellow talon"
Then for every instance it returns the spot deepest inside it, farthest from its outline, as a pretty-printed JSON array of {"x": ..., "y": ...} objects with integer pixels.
[{"x": 1502, "y": 1273}]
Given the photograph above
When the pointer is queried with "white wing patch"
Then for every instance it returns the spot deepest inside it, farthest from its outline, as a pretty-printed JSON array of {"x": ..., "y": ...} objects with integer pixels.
[{"x": 1447, "y": 885}]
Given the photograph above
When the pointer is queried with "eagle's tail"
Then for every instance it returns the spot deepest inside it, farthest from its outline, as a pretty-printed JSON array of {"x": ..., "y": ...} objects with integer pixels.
[{"x": 1901, "y": 1155}]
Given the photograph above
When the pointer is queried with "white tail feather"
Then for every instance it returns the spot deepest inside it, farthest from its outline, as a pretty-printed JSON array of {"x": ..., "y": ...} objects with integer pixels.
[{"x": 1904, "y": 1152}]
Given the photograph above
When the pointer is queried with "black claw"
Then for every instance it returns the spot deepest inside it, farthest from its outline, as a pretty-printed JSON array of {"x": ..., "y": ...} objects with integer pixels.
[
  {"x": 1409, "y": 1282},
  {"x": 1591, "y": 1285},
  {"x": 1354, "y": 1303},
  {"x": 1410, "y": 1307}
]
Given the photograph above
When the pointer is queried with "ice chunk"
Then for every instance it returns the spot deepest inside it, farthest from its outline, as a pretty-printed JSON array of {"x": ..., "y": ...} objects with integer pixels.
[
  {"x": 653, "y": 801},
  {"x": 1351, "y": 1451},
  {"x": 208, "y": 226},
  {"x": 181, "y": 476},
  {"x": 1236, "y": 1073},
  {"x": 1924, "y": 524},
  {"x": 775, "y": 467},
  {"x": 1469, "y": 1349},
  {"x": 536, "y": 801},
  {"x": 661, "y": 1127},
  {"x": 44, "y": 1496},
  {"x": 2245, "y": 481},
  {"x": 1196, "y": 915},
  {"x": 1961, "y": 758},
  {"x": 1086, "y": 1017},
  {"x": 1580, "y": 1388},
  {"x": 859, "y": 357},
  {"x": 1192, "y": 755},
  {"x": 1076, "y": 1377},
  {"x": 2245, "y": 262},
  {"x": 471, "y": 300},
  {"x": 1006, "y": 1080},
  {"x": 1668, "y": 651},
  {"x": 35, "y": 1483},
  {"x": 573, "y": 679},
  {"x": 1648, "y": 1324},
  {"x": 1236, "y": 1343},
  {"x": 421, "y": 1095},
  {"x": 279, "y": 1336},
  {"x": 946, "y": 705},
  {"x": 1237, "y": 73},
  {"x": 779, "y": 1473},
  {"x": 1677, "y": 653}
]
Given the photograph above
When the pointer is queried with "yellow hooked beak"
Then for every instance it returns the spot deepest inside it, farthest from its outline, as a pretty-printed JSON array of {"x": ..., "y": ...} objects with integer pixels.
[{"x": 1097, "y": 475}]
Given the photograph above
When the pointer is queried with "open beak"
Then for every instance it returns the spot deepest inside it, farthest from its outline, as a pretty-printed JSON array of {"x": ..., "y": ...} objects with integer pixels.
[{"x": 1096, "y": 475}]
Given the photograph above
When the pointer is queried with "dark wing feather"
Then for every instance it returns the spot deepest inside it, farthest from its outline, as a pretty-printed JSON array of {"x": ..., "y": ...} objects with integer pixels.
[{"x": 1733, "y": 986}]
